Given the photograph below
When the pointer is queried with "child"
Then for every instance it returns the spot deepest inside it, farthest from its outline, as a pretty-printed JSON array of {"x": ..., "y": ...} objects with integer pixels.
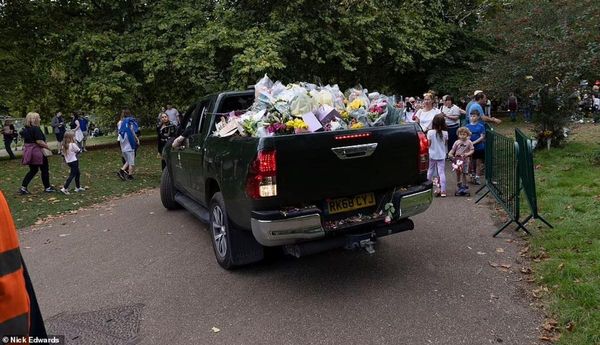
[
  {"x": 70, "y": 149},
  {"x": 438, "y": 137},
  {"x": 461, "y": 153},
  {"x": 129, "y": 141},
  {"x": 478, "y": 139}
]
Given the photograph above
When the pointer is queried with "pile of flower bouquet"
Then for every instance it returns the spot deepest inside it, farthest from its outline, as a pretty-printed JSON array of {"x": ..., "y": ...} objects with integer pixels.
[{"x": 306, "y": 108}]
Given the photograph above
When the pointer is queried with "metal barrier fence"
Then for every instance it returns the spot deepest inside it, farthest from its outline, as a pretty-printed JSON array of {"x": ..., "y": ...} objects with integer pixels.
[
  {"x": 502, "y": 175},
  {"x": 526, "y": 173}
]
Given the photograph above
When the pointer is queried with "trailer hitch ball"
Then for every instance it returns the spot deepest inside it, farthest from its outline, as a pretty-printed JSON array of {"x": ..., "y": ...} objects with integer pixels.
[{"x": 368, "y": 245}]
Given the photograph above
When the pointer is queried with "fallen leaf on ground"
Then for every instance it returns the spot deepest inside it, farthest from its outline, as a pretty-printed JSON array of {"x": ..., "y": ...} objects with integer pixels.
[
  {"x": 216, "y": 330},
  {"x": 505, "y": 266},
  {"x": 550, "y": 339},
  {"x": 510, "y": 240},
  {"x": 560, "y": 267},
  {"x": 525, "y": 270},
  {"x": 550, "y": 325},
  {"x": 570, "y": 326},
  {"x": 499, "y": 250},
  {"x": 493, "y": 264},
  {"x": 63, "y": 235},
  {"x": 480, "y": 253}
]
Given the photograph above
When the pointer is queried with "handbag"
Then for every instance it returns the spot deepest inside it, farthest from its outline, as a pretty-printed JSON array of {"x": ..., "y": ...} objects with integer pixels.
[{"x": 46, "y": 152}]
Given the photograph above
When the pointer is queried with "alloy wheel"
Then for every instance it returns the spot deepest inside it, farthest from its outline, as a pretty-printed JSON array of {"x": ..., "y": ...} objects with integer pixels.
[{"x": 219, "y": 231}]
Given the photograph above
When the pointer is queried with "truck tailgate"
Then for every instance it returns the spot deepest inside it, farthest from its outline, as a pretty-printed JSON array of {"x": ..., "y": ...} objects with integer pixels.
[{"x": 327, "y": 165}]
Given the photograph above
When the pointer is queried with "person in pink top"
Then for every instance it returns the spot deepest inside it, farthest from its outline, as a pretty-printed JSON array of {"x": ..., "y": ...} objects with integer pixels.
[{"x": 461, "y": 153}]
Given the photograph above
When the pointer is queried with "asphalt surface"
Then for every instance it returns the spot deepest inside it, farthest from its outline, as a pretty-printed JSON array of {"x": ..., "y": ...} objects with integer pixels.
[{"x": 129, "y": 271}]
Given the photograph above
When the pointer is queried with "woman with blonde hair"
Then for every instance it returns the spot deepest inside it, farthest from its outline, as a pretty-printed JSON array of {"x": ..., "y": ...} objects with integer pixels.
[
  {"x": 425, "y": 115},
  {"x": 33, "y": 153}
]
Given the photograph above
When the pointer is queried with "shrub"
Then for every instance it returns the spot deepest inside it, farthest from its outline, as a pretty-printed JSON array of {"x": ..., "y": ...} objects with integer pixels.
[{"x": 552, "y": 116}]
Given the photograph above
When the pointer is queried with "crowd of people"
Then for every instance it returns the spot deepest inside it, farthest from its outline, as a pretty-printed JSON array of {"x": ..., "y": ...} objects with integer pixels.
[
  {"x": 454, "y": 133},
  {"x": 71, "y": 137}
]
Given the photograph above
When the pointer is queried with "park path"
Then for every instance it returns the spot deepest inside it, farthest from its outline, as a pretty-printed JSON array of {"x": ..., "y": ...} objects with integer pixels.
[{"x": 130, "y": 271}]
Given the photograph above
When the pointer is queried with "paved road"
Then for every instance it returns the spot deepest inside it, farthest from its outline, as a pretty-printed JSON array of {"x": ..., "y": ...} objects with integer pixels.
[{"x": 130, "y": 272}]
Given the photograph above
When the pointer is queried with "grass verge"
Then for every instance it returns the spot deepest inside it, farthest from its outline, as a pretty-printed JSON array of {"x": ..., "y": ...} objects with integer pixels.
[
  {"x": 98, "y": 175},
  {"x": 566, "y": 259}
]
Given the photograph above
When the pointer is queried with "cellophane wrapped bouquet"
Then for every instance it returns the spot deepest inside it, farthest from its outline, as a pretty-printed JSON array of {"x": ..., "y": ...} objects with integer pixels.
[{"x": 306, "y": 108}]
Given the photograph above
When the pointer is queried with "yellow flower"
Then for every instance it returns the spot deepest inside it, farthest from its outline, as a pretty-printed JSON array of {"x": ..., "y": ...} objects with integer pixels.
[
  {"x": 357, "y": 125},
  {"x": 296, "y": 124},
  {"x": 356, "y": 104},
  {"x": 301, "y": 124},
  {"x": 345, "y": 114}
]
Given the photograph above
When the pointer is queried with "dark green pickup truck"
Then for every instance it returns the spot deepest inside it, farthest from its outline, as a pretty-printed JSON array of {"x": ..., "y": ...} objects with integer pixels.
[{"x": 305, "y": 193}]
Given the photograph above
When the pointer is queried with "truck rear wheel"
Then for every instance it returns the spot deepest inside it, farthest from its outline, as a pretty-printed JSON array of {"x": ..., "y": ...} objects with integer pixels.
[
  {"x": 233, "y": 247},
  {"x": 167, "y": 191}
]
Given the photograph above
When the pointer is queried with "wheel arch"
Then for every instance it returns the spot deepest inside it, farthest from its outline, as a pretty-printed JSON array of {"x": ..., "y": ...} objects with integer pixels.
[{"x": 211, "y": 187}]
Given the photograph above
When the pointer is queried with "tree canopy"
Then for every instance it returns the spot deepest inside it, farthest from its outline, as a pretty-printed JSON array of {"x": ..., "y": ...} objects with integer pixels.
[{"x": 102, "y": 55}]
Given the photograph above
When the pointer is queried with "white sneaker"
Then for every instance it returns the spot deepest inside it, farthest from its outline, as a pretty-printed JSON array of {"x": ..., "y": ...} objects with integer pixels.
[
  {"x": 65, "y": 191},
  {"x": 80, "y": 189}
]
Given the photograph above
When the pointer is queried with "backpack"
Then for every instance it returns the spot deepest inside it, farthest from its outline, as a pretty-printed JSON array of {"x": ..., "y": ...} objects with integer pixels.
[{"x": 73, "y": 125}]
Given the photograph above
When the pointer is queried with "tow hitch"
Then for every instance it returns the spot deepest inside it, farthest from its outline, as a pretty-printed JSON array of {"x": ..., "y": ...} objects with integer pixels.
[
  {"x": 368, "y": 245},
  {"x": 364, "y": 241}
]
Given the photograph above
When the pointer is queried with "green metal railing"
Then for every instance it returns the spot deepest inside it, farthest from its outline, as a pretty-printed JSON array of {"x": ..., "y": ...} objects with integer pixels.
[
  {"x": 526, "y": 173},
  {"x": 502, "y": 175}
]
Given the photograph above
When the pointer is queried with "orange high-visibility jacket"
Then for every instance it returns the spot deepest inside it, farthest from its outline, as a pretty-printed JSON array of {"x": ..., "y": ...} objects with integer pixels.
[{"x": 14, "y": 299}]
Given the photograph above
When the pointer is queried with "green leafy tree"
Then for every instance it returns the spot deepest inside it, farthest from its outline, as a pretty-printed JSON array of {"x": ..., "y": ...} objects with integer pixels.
[
  {"x": 538, "y": 44},
  {"x": 103, "y": 55}
]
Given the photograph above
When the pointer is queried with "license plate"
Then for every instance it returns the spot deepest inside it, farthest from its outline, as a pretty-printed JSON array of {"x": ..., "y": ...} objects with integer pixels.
[{"x": 349, "y": 204}]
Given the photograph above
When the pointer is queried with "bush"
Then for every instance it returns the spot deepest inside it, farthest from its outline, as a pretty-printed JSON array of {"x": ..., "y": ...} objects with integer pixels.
[{"x": 552, "y": 117}]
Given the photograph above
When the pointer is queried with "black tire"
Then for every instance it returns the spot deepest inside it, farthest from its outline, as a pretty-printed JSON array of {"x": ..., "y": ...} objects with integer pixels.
[
  {"x": 233, "y": 247},
  {"x": 167, "y": 191}
]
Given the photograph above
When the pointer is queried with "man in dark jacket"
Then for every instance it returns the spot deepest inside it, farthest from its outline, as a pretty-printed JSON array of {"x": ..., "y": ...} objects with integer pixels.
[{"x": 58, "y": 124}]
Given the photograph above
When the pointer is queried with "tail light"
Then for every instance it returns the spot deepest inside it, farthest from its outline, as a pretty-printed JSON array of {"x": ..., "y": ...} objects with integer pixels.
[
  {"x": 423, "y": 153},
  {"x": 262, "y": 180}
]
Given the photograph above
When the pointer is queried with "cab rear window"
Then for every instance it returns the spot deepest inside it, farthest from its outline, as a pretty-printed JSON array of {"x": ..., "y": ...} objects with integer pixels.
[{"x": 232, "y": 103}]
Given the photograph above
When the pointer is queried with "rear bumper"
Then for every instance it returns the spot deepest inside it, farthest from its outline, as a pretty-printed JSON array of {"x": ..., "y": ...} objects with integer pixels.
[{"x": 276, "y": 228}]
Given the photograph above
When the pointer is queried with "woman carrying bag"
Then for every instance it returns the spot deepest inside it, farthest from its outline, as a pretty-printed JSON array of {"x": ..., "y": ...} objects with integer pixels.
[{"x": 35, "y": 152}]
